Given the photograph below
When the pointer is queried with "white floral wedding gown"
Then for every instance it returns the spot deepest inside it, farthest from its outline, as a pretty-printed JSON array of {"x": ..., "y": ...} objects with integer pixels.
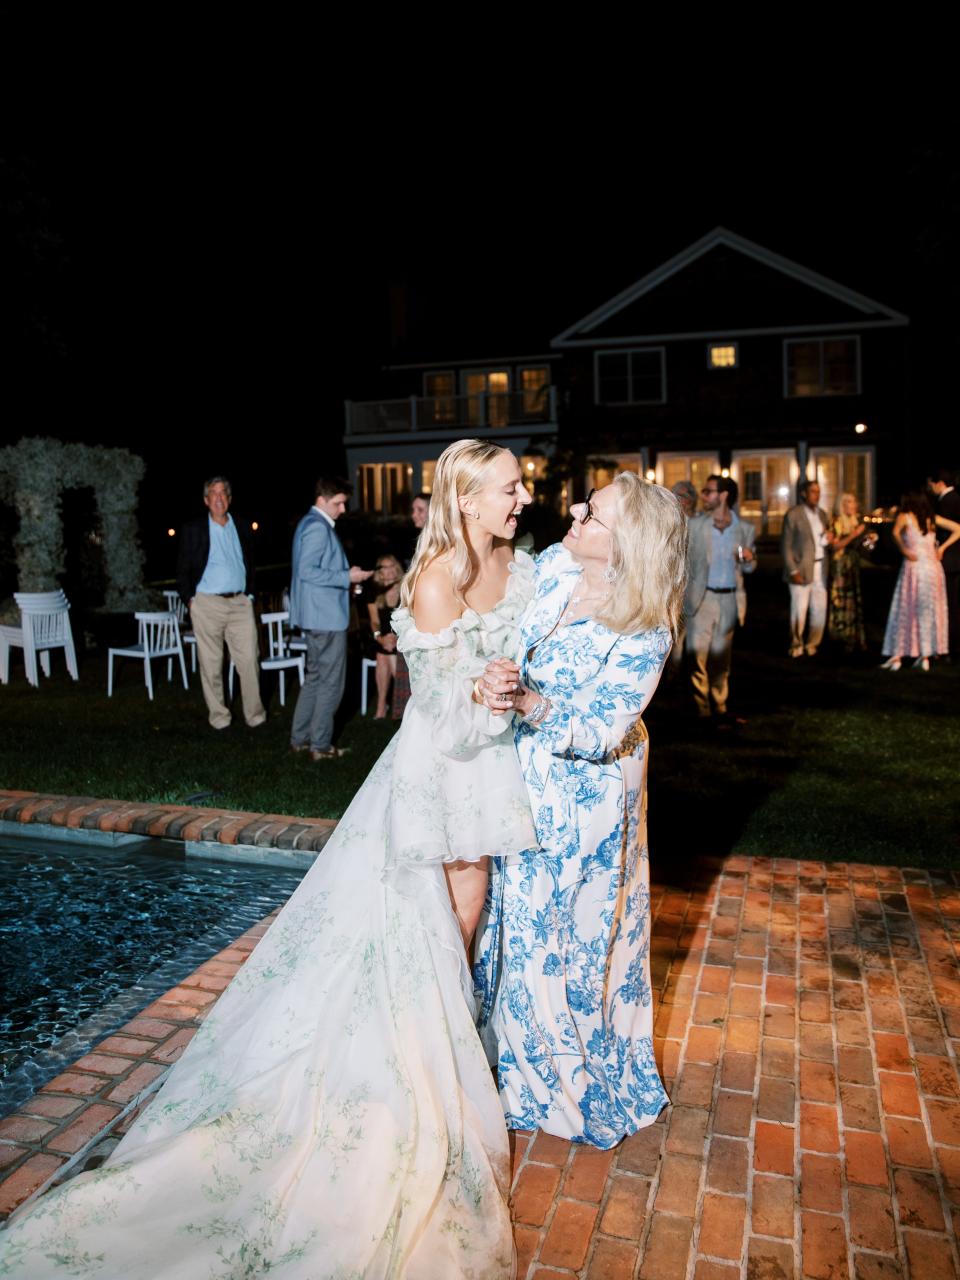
[{"x": 335, "y": 1116}]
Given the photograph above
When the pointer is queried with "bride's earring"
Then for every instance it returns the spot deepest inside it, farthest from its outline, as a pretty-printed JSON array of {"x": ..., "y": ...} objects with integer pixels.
[{"x": 610, "y": 574}]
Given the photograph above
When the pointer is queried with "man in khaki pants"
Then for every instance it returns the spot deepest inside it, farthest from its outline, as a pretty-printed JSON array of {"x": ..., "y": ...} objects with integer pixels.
[{"x": 215, "y": 581}]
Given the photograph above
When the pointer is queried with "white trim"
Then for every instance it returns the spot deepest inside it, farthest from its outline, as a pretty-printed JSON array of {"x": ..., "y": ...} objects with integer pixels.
[
  {"x": 721, "y": 236},
  {"x": 822, "y": 338},
  {"x": 713, "y": 335},
  {"x": 629, "y": 352},
  {"x": 721, "y": 367}
]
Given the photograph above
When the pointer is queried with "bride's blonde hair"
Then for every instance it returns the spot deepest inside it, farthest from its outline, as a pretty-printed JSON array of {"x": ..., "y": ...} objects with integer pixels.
[
  {"x": 649, "y": 557},
  {"x": 461, "y": 471}
]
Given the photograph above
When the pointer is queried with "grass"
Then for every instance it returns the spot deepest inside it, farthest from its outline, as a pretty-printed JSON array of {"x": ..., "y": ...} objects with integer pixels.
[{"x": 837, "y": 760}]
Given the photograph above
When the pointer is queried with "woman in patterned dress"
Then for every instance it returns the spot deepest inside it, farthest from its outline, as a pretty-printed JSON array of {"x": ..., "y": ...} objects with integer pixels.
[
  {"x": 563, "y": 971},
  {"x": 846, "y": 599},
  {"x": 917, "y": 622},
  {"x": 335, "y": 1116}
]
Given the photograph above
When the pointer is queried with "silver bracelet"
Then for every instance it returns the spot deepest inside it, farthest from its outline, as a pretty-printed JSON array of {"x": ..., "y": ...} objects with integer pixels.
[{"x": 538, "y": 714}]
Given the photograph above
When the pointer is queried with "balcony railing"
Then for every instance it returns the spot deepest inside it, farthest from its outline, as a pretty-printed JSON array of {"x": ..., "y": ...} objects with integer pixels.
[{"x": 484, "y": 411}]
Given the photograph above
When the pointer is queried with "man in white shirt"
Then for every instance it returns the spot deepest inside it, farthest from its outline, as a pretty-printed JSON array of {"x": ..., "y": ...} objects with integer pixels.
[
  {"x": 803, "y": 546},
  {"x": 720, "y": 551}
]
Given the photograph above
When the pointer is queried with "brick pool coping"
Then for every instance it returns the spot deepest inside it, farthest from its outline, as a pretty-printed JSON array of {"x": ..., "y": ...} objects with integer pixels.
[{"x": 807, "y": 1027}]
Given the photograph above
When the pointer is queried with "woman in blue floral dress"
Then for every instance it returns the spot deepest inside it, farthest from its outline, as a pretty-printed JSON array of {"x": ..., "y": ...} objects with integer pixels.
[{"x": 563, "y": 969}]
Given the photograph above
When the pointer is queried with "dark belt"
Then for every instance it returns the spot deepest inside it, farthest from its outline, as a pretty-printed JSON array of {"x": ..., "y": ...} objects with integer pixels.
[
  {"x": 721, "y": 591},
  {"x": 228, "y": 595}
]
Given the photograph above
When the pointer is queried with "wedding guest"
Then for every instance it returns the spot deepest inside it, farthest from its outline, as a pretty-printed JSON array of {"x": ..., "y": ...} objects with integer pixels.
[
  {"x": 419, "y": 511},
  {"x": 947, "y": 504},
  {"x": 803, "y": 546},
  {"x": 845, "y": 623},
  {"x": 685, "y": 492},
  {"x": 386, "y": 577},
  {"x": 917, "y": 624}
]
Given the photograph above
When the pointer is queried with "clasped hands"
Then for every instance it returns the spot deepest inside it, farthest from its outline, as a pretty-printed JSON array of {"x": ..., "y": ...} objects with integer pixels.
[{"x": 500, "y": 690}]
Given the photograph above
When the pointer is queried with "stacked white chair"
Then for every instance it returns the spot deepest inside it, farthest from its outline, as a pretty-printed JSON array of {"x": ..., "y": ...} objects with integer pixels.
[
  {"x": 44, "y": 625},
  {"x": 189, "y": 640},
  {"x": 159, "y": 637},
  {"x": 280, "y": 658}
]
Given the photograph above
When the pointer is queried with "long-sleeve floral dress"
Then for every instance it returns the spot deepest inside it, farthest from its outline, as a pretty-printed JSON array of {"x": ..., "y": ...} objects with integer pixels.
[
  {"x": 335, "y": 1116},
  {"x": 563, "y": 968}
]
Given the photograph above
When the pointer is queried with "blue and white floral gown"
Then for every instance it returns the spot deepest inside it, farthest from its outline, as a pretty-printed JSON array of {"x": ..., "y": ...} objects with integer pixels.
[
  {"x": 335, "y": 1116},
  {"x": 563, "y": 969}
]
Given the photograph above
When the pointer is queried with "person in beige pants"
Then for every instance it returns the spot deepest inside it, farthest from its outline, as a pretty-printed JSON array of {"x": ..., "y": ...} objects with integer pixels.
[{"x": 215, "y": 580}]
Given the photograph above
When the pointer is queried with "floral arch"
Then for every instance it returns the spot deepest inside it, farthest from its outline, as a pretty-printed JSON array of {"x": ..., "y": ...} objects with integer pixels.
[{"x": 33, "y": 475}]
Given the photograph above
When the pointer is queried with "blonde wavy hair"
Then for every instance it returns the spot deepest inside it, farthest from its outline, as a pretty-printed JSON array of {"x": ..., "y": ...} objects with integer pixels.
[
  {"x": 461, "y": 471},
  {"x": 649, "y": 555}
]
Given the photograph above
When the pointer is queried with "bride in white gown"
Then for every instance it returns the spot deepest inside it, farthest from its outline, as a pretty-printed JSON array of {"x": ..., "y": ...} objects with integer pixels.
[{"x": 335, "y": 1115}]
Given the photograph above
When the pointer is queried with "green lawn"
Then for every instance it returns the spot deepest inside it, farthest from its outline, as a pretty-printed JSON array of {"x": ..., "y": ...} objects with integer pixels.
[{"x": 837, "y": 760}]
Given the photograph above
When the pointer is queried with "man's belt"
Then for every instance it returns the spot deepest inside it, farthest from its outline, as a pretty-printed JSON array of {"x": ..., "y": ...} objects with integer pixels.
[{"x": 721, "y": 591}]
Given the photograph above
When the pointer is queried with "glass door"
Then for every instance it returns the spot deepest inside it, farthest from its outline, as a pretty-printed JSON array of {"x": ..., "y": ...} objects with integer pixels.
[
  {"x": 488, "y": 397},
  {"x": 767, "y": 484},
  {"x": 841, "y": 471},
  {"x": 672, "y": 467}
]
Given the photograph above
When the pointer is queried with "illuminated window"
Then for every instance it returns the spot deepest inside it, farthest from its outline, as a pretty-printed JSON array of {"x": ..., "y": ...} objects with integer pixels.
[
  {"x": 630, "y": 377},
  {"x": 821, "y": 367},
  {"x": 722, "y": 357},
  {"x": 427, "y": 474},
  {"x": 534, "y": 384},
  {"x": 440, "y": 390},
  {"x": 488, "y": 397},
  {"x": 382, "y": 487}
]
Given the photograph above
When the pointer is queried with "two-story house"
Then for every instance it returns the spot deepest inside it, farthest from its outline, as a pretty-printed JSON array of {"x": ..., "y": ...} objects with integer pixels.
[{"x": 726, "y": 357}]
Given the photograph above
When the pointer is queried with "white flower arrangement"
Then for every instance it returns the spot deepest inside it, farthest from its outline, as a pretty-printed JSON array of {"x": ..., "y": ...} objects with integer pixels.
[{"x": 33, "y": 475}]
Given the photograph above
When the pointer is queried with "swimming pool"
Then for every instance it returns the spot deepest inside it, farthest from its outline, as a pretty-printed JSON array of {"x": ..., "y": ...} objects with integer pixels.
[{"x": 90, "y": 936}]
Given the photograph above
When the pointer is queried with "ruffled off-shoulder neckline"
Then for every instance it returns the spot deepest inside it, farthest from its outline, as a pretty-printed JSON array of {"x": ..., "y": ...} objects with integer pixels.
[{"x": 519, "y": 589}]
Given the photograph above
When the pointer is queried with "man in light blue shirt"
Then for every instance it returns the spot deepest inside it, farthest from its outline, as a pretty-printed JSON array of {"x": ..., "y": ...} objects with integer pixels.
[
  {"x": 215, "y": 581},
  {"x": 320, "y": 582},
  {"x": 720, "y": 552}
]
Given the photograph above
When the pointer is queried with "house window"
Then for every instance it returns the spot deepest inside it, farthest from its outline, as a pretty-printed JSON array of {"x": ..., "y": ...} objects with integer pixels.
[
  {"x": 383, "y": 487},
  {"x": 440, "y": 392},
  {"x": 630, "y": 377},
  {"x": 722, "y": 357},
  {"x": 534, "y": 384},
  {"x": 488, "y": 397},
  {"x": 672, "y": 467},
  {"x": 840, "y": 471},
  {"x": 821, "y": 367},
  {"x": 603, "y": 471},
  {"x": 427, "y": 474}
]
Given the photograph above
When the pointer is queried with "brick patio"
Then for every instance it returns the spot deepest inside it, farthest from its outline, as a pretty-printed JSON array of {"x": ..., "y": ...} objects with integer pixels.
[{"x": 805, "y": 1023}]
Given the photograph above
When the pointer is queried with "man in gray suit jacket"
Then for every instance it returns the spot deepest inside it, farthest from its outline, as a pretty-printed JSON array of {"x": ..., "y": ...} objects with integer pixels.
[
  {"x": 719, "y": 552},
  {"x": 320, "y": 582},
  {"x": 803, "y": 546}
]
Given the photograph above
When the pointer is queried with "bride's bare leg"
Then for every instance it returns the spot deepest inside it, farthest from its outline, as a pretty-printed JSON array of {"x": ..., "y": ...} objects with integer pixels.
[{"x": 467, "y": 882}]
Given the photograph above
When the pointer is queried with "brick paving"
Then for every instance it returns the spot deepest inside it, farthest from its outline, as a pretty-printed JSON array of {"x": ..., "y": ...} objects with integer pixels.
[{"x": 807, "y": 1025}]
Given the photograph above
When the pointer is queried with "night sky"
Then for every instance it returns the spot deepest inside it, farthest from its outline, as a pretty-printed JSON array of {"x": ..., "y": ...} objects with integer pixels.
[{"x": 209, "y": 302}]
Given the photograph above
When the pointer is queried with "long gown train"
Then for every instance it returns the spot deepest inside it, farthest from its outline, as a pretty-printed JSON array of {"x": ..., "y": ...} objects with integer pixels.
[{"x": 335, "y": 1116}]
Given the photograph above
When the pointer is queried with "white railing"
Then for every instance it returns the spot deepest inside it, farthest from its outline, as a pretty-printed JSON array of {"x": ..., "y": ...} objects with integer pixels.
[{"x": 487, "y": 409}]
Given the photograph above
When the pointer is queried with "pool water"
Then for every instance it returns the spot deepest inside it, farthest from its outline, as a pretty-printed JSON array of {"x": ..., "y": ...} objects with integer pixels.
[{"x": 90, "y": 936}]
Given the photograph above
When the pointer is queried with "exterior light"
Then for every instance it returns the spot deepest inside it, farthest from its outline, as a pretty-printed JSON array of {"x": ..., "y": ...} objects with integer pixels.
[
  {"x": 254, "y": 526},
  {"x": 651, "y": 475},
  {"x": 783, "y": 491},
  {"x": 530, "y": 466},
  {"x": 860, "y": 428},
  {"x": 725, "y": 472},
  {"x": 171, "y": 533}
]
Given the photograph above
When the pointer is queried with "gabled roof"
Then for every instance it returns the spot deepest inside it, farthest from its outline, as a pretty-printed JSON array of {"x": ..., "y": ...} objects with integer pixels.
[{"x": 724, "y": 285}]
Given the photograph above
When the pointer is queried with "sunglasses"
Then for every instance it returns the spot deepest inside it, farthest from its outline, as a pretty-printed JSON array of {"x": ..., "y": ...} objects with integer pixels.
[{"x": 589, "y": 514}]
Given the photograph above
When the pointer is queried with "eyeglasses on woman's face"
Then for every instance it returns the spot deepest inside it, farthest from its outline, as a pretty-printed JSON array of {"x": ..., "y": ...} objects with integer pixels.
[{"x": 588, "y": 513}]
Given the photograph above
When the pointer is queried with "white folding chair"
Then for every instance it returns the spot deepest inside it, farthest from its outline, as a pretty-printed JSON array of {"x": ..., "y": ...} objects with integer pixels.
[
  {"x": 159, "y": 638},
  {"x": 280, "y": 658},
  {"x": 366, "y": 666},
  {"x": 44, "y": 625},
  {"x": 187, "y": 638}
]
